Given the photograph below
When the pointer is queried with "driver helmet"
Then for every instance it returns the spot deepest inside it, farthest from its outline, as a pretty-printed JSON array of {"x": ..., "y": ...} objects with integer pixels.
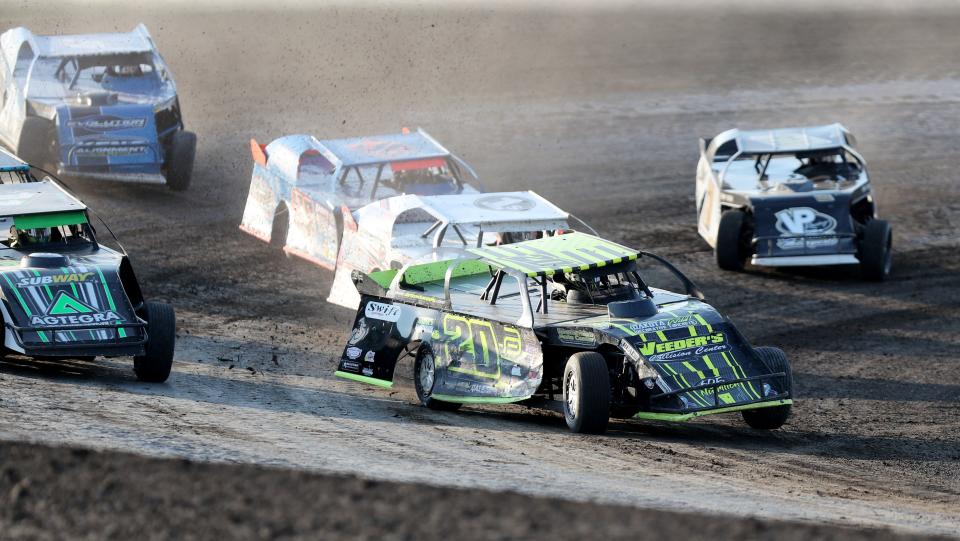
[{"x": 38, "y": 235}]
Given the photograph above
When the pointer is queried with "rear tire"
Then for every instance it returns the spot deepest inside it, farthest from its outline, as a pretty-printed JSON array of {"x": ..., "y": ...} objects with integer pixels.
[
  {"x": 155, "y": 364},
  {"x": 586, "y": 393},
  {"x": 773, "y": 417},
  {"x": 180, "y": 154},
  {"x": 730, "y": 250},
  {"x": 876, "y": 250},
  {"x": 424, "y": 378},
  {"x": 36, "y": 142}
]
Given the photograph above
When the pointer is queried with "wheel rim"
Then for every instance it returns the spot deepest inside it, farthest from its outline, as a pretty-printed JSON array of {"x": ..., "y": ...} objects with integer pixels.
[
  {"x": 426, "y": 375},
  {"x": 571, "y": 395}
]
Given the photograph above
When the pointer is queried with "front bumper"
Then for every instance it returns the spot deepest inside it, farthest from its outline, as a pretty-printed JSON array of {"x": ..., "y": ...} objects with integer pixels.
[
  {"x": 114, "y": 346},
  {"x": 805, "y": 260}
]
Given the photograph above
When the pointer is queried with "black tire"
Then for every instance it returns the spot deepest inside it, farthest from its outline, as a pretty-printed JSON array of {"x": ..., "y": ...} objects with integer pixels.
[
  {"x": 180, "y": 154},
  {"x": 773, "y": 417},
  {"x": 731, "y": 251},
  {"x": 155, "y": 364},
  {"x": 280, "y": 227},
  {"x": 36, "y": 142},
  {"x": 424, "y": 365},
  {"x": 876, "y": 250},
  {"x": 586, "y": 393}
]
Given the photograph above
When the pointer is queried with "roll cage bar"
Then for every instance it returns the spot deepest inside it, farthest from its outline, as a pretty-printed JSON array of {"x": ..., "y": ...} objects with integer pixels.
[{"x": 761, "y": 165}]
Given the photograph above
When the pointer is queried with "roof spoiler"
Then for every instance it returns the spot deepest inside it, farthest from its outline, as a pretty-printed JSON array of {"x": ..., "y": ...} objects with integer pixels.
[{"x": 259, "y": 152}]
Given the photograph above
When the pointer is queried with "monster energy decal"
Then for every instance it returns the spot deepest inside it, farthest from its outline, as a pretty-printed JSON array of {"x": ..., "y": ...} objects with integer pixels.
[{"x": 74, "y": 301}]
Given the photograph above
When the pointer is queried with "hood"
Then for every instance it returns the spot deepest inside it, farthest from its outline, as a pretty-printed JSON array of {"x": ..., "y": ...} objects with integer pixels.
[
  {"x": 814, "y": 224},
  {"x": 686, "y": 345},
  {"x": 81, "y": 300},
  {"x": 122, "y": 136}
]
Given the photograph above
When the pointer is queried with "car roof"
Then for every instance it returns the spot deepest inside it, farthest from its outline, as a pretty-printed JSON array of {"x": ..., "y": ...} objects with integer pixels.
[
  {"x": 558, "y": 254},
  {"x": 9, "y": 162},
  {"x": 785, "y": 140},
  {"x": 45, "y": 196},
  {"x": 391, "y": 148},
  {"x": 136, "y": 41},
  {"x": 498, "y": 211}
]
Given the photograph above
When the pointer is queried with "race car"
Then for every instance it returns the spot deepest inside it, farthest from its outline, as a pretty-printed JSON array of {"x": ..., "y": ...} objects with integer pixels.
[
  {"x": 98, "y": 105},
  {"x": 65, "y": 295},
  {"x": 392, "y": 232},
  {"x": 303, "y": 189},
  {"x": 565, "y": 321},
  {"x": 790, "y": 197}
]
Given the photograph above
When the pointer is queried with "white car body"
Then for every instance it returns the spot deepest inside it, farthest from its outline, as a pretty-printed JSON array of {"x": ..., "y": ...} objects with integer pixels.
[{"x": 398, "y": 230}]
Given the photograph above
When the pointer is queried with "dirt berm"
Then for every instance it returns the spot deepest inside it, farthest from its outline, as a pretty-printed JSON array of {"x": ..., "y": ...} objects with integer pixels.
[{"x": 56, "y": 493}]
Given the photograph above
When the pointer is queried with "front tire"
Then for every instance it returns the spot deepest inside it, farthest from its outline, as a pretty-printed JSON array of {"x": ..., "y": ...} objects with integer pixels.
[
  {"x": 876, "y": 250},
  {"x": 180, "y": 154},
  {"x": 773, "y": 417},
  {"x": 424, "y": 379},
  {"x": 155, "y": 364},
  {"x": 731, "y": 251},
  {"x": 586, "y": 393}
]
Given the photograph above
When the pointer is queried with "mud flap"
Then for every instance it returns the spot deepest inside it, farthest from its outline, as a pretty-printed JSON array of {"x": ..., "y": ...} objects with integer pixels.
[{"x": 477, "y": 360}]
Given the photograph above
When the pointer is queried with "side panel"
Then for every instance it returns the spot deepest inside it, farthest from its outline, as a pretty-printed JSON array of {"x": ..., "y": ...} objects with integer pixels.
[
  {"x": 117, "y": 138},
  {"x": 475, "y": 359},
  {"x": 313, "y": 230},
  {"x": 261, "y": 205},
  {"x": 708, "y": 202}
]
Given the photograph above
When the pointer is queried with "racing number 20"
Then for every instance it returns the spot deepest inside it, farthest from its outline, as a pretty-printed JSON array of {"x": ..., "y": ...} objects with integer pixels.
[{"x": 474, "y": 343}]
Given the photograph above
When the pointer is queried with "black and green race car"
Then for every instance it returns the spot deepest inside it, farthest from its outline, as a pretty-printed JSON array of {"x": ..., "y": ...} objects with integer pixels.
[
  {"x": 566, "y": 321},
  {"x": 65, "y": 295}
]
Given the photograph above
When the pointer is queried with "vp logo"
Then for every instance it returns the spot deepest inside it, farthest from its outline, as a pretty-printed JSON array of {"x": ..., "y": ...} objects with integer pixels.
[{"x": 804, "y": 221}]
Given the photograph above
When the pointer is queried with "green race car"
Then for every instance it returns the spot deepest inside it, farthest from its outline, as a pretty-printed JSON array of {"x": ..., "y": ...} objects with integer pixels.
[{"x": 566, "y": 321}]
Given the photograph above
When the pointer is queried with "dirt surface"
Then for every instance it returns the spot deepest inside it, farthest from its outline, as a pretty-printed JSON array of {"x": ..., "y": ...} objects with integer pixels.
[{"x": 598, "y": 112}]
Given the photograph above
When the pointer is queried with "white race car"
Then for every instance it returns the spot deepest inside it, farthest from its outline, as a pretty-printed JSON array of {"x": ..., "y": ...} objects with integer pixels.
[
  {"x": 390, "y": 233},
  {"x": 790, "y": 197}
]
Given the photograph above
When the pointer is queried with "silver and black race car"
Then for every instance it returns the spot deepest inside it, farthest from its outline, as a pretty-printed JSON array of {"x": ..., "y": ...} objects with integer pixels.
[
  {"x": 790, "y": 197},
  {"x": 566, "y": 322},
  {"x": 62, "y": 293}
]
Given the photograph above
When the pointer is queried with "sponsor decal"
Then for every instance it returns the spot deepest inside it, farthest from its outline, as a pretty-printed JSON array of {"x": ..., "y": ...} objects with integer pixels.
[
  {"x": 685, "y": 347},
  {"x": 579, "y": 337},
  {"x": 663, "y": 324},
  {"x": 504, "y": 203},
  {"x": 383, "y": 312},
  {"x": 805, "y": 222},
  {"x": 68, "y": 310},
  {"x": 370, "y": 356},
  {"x": 110, "y": 147},
  {"x": 54, "y": 279},
  {"x": 107, "y": 123},
  {"x": 353, "y": 352},
  {"x": 352, "y": 366},
  {"x": 359, "y": 332},
  {"x": 368, "y": 371}
]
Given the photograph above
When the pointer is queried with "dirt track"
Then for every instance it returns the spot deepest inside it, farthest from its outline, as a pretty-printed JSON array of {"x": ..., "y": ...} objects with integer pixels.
[{"x": 600, "y": 113}]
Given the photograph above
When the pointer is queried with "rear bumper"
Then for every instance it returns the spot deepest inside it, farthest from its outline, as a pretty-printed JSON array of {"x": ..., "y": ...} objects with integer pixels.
[
  {"x": 132, "y": 177},
  {"x": 57, "y": 345},
  {"x": 805, "y": 260}
]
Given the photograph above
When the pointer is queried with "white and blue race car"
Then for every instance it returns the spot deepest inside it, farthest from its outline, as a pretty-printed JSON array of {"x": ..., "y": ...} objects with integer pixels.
[
  {"x": 103, "y": 106},
  {"x": 303, "y": 190}
]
